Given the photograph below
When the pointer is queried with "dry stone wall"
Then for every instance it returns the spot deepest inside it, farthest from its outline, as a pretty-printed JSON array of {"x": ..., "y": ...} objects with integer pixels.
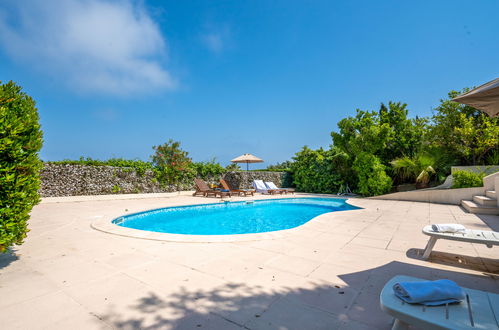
[
  {"x": 77, "y": 180},
  {"x": 243, "y": 180}
]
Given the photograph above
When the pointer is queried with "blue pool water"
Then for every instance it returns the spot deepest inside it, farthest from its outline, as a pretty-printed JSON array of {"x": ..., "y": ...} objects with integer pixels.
[{"x": 234, "y": 217}]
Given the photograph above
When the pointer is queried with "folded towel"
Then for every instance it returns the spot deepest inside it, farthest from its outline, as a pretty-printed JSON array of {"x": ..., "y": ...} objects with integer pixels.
[
  {"x": 429, "y": 293},
  {"x": 448, "y": 228}
]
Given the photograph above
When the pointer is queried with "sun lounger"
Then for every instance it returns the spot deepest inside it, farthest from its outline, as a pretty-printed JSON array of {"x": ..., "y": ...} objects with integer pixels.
[
  {"x": 478, "y": 310},
  {"x": 245, "y": 192},
  {"x": 260, "y": 187},
  {"x": 489, "y": 238},
  {"x": 203, "y": 189},
  {"x": 271, "y": 185}
]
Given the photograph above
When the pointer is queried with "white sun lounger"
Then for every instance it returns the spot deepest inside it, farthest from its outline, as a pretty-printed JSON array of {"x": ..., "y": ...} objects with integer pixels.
[
  {"x": 489, "y": 238},
  {"x": 480, "y": 310},
  {"x": 260, "y": 187}
]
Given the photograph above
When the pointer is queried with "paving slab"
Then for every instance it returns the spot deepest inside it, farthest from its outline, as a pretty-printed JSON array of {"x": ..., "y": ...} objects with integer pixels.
[{"x": 326, "y": 273}]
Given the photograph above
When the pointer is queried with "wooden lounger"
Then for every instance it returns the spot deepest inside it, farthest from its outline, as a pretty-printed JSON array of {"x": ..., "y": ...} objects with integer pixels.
[
  {"x": 245, "y": 192},
  {"x": 202, "y": 188},
  {"x": 478, "y": 311},
  {"x": 489, "y": 238}
]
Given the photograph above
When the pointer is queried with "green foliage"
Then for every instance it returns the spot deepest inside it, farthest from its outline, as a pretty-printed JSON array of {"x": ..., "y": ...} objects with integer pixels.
[
  {"x": 232, "y": 167},
  {"x": 138, "y": 165},
  {"x": 280, "y": 167},
  {"x": 373, "y": 179},
  {"x": 172, "y": 163},
  {"x": 20, "y": 142},
  {"x": 388, "y": 133},
  {"x": 464, "y": 132},
  {"x": 493, "y": 158},
  {"x": 116, "y": 189},
  {"x": 467, "y": 179},
  {"x": 208, "y": 169},
  {"x": 418, "y": 169},
  {"x": 314, "y": 171}
]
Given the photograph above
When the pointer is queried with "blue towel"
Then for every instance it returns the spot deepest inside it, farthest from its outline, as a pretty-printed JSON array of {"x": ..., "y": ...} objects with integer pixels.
[
  {"x": 224, "y": 190},
  {"x": 429, "y": 293}
]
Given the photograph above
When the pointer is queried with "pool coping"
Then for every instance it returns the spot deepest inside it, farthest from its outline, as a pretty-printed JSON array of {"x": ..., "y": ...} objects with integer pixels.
[{"x": 106, "y": 225}]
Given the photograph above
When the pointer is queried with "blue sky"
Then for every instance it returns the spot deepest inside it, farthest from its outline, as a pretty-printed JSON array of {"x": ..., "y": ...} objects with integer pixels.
[{"x": 114, "y": 78}]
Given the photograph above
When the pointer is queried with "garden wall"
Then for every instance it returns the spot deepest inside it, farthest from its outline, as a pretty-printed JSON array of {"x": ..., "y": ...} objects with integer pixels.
[
  {"x": 444, "y": 196},
  {"x": 77, "y": 180},
  {"x": 243, "y": 180}
]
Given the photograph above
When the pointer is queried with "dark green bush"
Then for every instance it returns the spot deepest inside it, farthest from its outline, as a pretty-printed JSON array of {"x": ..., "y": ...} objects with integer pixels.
[
  {"x": 373, "y": 179},
  {"x": 20, "y": 142},
  {"x": 209, "y": 169},
  {"x": 315, "y": 171},
  {"x": 466, "y": 179}
]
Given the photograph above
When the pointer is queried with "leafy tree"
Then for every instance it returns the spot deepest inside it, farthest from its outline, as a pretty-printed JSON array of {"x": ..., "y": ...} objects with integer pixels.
[
  {"x": 405, "y": 134},
  {"x": 388, "y": 133},
  {"x": 280, "y": 166},
  {"x": 233, "y": 167},
  {"x": 208, "y": 169},
  {"x": 362, "y": 133},
  {"x": 373, "y": 179},
  {"x": 314, "y": 171},
  {"x": 20, "y": 142},
  {"x": 463, "y": 131},
  {"x": 172, "y": 163}
]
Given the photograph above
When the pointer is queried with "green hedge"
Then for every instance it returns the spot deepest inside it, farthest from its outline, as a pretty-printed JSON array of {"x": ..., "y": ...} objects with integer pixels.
[
  {"x": 20, "y": 142},
  {"x": 138, "y": 165}
]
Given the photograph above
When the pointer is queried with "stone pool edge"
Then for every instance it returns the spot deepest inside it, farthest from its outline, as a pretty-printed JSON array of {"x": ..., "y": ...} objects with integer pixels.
[{"x": 105, "y": 225}]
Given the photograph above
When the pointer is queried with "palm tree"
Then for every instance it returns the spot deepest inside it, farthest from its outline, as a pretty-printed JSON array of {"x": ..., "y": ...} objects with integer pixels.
[{"x": 419, "y": 168}]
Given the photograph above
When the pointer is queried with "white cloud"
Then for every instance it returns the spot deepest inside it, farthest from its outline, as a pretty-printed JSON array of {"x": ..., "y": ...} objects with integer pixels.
[{"x": 92, "y": 45}]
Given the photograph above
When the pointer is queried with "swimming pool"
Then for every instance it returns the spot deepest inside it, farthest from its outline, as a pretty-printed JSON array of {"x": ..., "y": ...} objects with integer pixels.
[{"x": 245, "y": 217}]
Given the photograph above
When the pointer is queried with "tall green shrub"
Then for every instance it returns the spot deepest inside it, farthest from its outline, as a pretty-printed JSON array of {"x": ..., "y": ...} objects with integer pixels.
[
  {"x": 172, "y": 164},
  {"x": 207, "y": 170},
  {"x": 372, "y": 176},
  {"x": 464, "y": 132},
  {"x": 20, "y": 142},
  {"x": 316, "y": 171}
]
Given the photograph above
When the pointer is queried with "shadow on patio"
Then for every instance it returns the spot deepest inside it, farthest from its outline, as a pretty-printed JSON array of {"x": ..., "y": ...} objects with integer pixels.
[
  {"x": 350, "y": 303},
  {"x": 490, "y": 267},
  {"x": 7, "y": 258}
]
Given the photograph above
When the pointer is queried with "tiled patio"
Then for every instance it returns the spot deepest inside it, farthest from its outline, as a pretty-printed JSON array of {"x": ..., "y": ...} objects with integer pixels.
[{"x": 326, "y": 274}]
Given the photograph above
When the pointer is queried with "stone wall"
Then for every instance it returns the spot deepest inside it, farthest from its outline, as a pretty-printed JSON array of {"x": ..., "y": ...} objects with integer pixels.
[
  {"x": 77, "y": 180},
  {"x": 243, "y": 180}
]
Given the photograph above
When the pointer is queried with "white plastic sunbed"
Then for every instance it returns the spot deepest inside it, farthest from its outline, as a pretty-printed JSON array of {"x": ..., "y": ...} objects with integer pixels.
[
  {"x": 271, "y": 185},
  {"x": 260, "y": 187},
  {"x": 489, "y": 238},
  {"x": 480, "y": 310}
]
